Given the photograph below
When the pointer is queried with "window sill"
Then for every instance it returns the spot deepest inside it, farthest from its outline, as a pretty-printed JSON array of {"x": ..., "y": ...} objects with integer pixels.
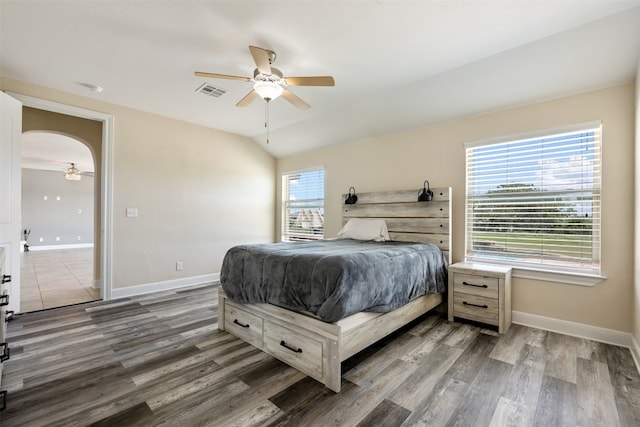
[
  {"x": 560, "y": 277},
  {"x": 564, "y": 277}
]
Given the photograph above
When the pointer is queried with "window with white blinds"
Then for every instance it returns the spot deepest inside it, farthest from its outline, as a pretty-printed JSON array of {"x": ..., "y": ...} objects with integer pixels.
[
  {"x": 303, "y": 205},
  {"x": 534, "y": 202}
]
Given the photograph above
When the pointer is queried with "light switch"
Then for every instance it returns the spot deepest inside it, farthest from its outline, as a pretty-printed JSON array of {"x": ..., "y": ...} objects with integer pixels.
[{"x": 132, "y": 212}]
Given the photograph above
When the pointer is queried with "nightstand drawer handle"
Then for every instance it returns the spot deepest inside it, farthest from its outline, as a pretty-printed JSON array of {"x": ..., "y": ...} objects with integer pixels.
[
  {"x": 475, "y": 305},
  {"x": 240, "y": 324},
  {"x": 474, "y": 285}
]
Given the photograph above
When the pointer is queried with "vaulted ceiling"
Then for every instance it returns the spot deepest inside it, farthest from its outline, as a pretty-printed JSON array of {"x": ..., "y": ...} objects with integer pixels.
[{"x": 397, "y": 64}]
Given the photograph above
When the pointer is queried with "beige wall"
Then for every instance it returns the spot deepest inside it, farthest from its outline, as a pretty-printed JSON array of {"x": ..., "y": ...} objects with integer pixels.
[
  {"x": 198, "y": 191},
  {"x": 436, "y": 152}
]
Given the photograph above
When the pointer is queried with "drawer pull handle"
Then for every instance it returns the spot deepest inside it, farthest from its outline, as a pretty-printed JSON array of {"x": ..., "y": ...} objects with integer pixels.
[
  {"x": 475, "y": 305},
  {"x": 6, "y": 278},
  {"x": 3, "y": 393},
  {"x": 474, "y": 285},
  {"x": 5, "y": 354},
  {"x": 295, "y": 350},
  {"x": 4, "y": 300},
  {"x": 240, "y": 324},
  {"x": 8, "y": 315}
]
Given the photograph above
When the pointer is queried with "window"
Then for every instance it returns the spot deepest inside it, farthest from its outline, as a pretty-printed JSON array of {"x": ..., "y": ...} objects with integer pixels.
[
  {"x": 534, "y": 202},
  {"x": 303, "y": 205}
]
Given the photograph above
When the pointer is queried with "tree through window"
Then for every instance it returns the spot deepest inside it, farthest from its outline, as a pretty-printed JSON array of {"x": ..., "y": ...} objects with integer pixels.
[{"x": 535, "y": 201}]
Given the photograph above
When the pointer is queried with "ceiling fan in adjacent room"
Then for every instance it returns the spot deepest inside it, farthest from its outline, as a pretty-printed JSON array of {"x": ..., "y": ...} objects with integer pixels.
[{"x": 268, "y": 81}]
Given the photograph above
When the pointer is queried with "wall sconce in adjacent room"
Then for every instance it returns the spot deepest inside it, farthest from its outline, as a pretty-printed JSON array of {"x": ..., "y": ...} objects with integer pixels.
[
  {"x": 425, "y": 195},
  {"x": 351, "y": 198}
]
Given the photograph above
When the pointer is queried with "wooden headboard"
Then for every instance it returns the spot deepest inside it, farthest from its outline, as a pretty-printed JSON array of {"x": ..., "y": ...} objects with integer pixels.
[{"x": 407, "y": 219}]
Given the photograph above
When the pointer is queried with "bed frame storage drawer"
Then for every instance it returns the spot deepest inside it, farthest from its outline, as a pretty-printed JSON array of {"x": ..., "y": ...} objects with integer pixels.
[
  {"x": 245, "y": 326},
  {"x": 298, "y": 350},
  {"x": 476, "y": 285}
]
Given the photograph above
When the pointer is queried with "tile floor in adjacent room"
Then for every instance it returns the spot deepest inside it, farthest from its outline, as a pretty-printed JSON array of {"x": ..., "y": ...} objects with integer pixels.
[{"x": 54, "y": 278}]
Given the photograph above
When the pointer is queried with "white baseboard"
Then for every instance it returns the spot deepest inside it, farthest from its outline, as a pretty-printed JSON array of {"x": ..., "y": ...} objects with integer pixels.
[
  {"x": 580, "y": 330},
  {"x": 146, "y": 288},
  {"x": 52, "y": 247}
]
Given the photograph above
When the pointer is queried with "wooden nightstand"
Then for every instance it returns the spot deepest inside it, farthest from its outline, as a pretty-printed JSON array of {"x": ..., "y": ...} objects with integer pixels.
[{"x": 480, "y": 292}]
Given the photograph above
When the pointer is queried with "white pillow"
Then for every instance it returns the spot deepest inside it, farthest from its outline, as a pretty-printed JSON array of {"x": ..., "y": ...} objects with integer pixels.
[{"x": 365, "y": 229}]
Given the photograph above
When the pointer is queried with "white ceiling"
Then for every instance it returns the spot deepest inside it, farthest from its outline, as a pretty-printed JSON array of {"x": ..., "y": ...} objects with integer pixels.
[{"x": 397, "y": 64}]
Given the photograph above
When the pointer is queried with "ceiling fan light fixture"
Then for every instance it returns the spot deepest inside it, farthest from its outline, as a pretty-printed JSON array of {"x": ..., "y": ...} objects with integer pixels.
[
  {"x": 72, "y": 174},
  {"x": 268, "y": 90}
]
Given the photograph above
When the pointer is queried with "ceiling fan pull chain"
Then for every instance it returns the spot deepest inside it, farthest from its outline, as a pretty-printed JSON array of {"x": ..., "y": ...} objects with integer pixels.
[{"x": 266, "y": 118}]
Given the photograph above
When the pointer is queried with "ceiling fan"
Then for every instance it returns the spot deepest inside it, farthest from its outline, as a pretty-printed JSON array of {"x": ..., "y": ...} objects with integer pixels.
[{"x": 268, "y": 81}]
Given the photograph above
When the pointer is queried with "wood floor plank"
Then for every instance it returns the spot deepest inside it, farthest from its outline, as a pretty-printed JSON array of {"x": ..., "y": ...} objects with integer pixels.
[
  {"x": 596, "y": 400},
  {"x": 525, "y": 382},
  {"x": 561, "y": 356},
  {"x": 423, "y": 379},
  {"x": 386, "y": 414},
  {"x": 159, "y": 360},
  {"x": 128, "y": 417},
  {"x": 474, "y": 357},
  {"x": 557, "y": 404},
  {"x": 483, "y": 394},
  {"x": 436, "y": 410},
  {"x": 625, "y": 379},
  {"x": 378, "y": 358},
  {"x": 510, "y": 413}
]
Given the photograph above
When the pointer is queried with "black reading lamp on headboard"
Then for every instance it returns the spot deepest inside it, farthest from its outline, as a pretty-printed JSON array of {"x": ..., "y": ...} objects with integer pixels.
[
  {"x": 425, "y": 195},
  {"x": 351, "y": 198}
]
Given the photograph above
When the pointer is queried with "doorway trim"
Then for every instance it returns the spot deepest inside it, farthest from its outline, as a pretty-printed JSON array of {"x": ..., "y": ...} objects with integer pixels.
[{"x": 106, "y": 217}]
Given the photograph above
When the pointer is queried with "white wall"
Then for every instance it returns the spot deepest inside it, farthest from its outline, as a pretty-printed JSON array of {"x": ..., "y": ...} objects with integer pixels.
[
  {"x": 198, "y": 192},
  {"x": 57, "y": 211},
  {"x": 436, "y": 152}
]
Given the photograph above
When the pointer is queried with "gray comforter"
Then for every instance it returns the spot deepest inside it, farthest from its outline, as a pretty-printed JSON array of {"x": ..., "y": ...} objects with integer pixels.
[{"x": 333, "y": 279}]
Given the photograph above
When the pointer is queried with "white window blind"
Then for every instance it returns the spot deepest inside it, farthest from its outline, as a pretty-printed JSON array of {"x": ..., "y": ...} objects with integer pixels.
[
  {"x": 535, "y": 202},
  {"x": 303, "y": 205}
]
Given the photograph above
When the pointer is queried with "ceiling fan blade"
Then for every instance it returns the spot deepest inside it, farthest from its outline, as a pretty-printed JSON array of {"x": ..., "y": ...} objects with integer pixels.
[
  {"x": 262, "y": 59},
  {"x": 310, "y": 81},
  {"x": 248, "y": 99},
  {"x": 295, "y": 99},
  {"x": 221, "y": 76}
]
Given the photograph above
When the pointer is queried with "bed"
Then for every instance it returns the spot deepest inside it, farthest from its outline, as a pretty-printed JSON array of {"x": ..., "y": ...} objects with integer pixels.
[{"x": 316, "y": 341}]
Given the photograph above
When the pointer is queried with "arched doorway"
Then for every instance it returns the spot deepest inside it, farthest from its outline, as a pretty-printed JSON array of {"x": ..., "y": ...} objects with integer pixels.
[{"x": 58, "y": 221}]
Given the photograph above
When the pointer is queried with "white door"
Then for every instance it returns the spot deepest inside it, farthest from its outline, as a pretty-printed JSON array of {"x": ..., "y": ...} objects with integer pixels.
[{"x": 10, "y": 196}]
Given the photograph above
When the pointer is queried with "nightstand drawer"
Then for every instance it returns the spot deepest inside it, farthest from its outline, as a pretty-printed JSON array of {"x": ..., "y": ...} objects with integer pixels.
[
  {"x": 475, "y": 307},
  {"x": 475, "y": 285},
  {"x": 298, "y": 350},
  {"x": 244, "y": 325}
]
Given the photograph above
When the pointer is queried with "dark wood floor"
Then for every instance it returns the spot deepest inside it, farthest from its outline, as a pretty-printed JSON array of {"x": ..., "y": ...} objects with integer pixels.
[{"x": 160, "y": 360}]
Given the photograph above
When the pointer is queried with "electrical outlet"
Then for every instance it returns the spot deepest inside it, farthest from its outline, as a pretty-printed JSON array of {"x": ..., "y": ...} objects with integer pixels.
[{"x": 179, "y": 266}]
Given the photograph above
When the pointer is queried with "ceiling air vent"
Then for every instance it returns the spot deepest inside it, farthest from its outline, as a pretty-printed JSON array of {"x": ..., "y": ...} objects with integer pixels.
[{"x": 210, "y": 90}]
